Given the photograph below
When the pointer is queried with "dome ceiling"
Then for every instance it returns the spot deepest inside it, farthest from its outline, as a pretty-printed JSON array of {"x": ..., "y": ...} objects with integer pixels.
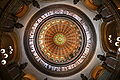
[{"x": 60, "y": 40}]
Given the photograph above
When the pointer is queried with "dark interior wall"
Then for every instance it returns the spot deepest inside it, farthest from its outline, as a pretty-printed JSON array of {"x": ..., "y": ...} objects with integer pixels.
[
  {"x": 117, "y": 2},
  {"x": 3, "y": 4}
]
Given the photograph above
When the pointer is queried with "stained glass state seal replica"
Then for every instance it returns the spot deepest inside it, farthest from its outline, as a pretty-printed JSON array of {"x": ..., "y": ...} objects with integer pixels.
[{"x": 59, "y": 40}]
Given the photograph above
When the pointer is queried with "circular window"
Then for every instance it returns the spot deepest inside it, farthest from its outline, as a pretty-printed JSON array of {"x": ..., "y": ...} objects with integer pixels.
[{"x": 60, "y": 40}]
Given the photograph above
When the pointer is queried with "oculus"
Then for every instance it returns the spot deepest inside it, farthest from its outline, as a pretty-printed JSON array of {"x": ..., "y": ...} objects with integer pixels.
[{"x": 59, "y": 40}]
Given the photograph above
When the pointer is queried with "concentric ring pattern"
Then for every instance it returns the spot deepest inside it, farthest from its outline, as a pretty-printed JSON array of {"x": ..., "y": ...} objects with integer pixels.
[{"x": 60, "y": 39}]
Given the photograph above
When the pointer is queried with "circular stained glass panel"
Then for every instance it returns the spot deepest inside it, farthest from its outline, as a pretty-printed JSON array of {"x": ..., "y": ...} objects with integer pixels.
[{"x": 60, "y": 40}]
